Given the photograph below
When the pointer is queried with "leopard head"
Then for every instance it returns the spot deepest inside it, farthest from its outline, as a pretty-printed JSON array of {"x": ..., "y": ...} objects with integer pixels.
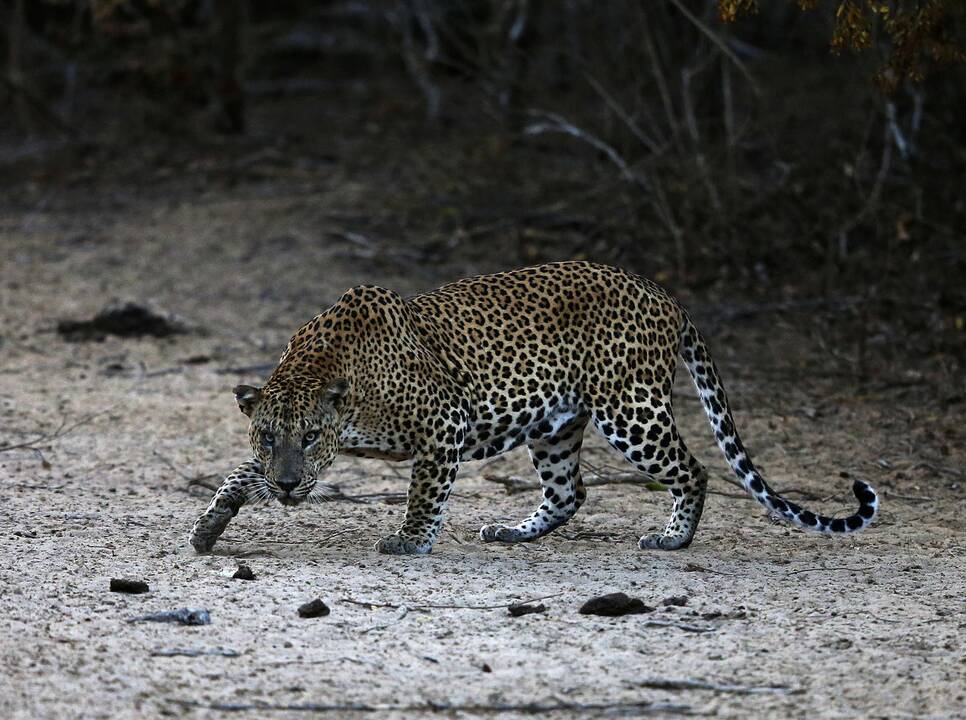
[{"x": 294, "y": 432}]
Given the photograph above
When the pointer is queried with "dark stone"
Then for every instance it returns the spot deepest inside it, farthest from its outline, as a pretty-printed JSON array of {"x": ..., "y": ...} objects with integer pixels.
[
  {"x": 524, "y": 609},
  {"x": 243, "y": 573},
  {"x": 313, "y": 608},
  {"x": 613, "y": 605},
  {"x": 134, "y": 587}
]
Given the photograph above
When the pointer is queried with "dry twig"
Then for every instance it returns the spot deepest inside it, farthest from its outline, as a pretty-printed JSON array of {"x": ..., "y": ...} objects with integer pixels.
[
  {"x": 632, "y": 707},
  {"x": 447, "y": 606},
  {"x": 688, "y": 684}
]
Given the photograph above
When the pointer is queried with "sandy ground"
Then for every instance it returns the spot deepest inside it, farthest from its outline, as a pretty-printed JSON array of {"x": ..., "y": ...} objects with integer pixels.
[{"x": 791, "y": 625}]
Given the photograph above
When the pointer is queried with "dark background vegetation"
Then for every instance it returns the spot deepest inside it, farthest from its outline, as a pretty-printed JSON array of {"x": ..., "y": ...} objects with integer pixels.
[{"x": 742, "y": 164}]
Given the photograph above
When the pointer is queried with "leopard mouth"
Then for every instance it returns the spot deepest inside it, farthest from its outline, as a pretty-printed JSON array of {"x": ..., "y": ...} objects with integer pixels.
[{"x": 290, "y": 500}]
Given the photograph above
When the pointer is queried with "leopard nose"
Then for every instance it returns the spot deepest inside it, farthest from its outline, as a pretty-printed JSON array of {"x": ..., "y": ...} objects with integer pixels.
[{"x": 288, "y": 484}]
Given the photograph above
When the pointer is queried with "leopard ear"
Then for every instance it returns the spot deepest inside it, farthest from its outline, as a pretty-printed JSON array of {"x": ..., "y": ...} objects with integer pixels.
[
  {"x": 247, "y": 398},
  {"x": 336, "y": 391}
]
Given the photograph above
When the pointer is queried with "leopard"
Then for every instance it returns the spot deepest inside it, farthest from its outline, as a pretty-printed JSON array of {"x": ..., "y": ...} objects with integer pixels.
[{"x": 484, "y": 365}]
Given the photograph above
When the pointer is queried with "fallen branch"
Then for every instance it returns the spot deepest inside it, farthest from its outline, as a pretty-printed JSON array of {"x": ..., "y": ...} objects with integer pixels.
[
  {"x": 937, "y": 469},
  {"x": 61, "y": 430},
  {"x": 390, "y": 498},
  {"x": 534, "y": 708},
  {"x": 199, "y": 480},
  {"x": 687, "y": 684},
  {"x": 446, "y": 606},
  {"x": 516, "y": 484},
  {"x": 826, "y": 569}
]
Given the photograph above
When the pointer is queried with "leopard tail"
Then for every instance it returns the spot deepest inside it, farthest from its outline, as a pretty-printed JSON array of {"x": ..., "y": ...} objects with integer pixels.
[{"x": 706, "y": 379}]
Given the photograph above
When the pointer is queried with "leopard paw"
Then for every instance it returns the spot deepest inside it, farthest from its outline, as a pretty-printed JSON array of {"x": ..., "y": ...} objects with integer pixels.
[
  {"x": 207, "y": 529},
  {"x": 502, "y": 533},
  {"x": 664, "y": 542},
  {"x": 399, "y": 545}
]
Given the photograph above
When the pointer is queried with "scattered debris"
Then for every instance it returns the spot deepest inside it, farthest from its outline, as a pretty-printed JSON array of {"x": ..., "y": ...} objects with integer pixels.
[
  {"x": 184, "y": 616},
  {"x": 122, "y": 320},
  {"x": 313, "y": 608},
  {"x": 613, "y": 605},
  {"x": 194, "y": 652},
  {"x": 134, "y": 587},
  {"x": 243, "y": 573},
  {"x": 675, "y": 601},
  {"x": 519, "y": 609}
]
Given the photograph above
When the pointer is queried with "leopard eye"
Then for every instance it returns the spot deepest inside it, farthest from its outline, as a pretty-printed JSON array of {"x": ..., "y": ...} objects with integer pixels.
[
  {"x": 309, "y": 438},
  {"x": 268, "y": 439}
]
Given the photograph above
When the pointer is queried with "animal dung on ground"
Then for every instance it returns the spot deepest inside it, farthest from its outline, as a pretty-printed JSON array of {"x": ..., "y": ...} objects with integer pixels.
[
  {"x": 123, "y": 320},
  {"x": 134, "y": 587},
  {"x": 526, "y": 609},
  {"x": 613, "y": 605},
  {"x": 182, "y": 616},
  {"x": 243, "y": 573},
  {"x": 313, "y": 608}
]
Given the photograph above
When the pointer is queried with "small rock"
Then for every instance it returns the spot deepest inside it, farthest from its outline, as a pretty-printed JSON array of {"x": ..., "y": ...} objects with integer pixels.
[
  {"x": 675, "y": 601},
  {"x": 519, "y": 609},
  {"x": 134, "y": 587},
  {"x": 244, "y": 573},
  {"x": 486, "y": 668},
  {"x": 314, "y": 608},
  {"x": 613, "y": 605}
]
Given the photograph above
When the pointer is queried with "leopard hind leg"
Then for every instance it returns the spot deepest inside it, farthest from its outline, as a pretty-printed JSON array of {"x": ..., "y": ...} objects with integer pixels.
[{"x": 646, "y": 435}]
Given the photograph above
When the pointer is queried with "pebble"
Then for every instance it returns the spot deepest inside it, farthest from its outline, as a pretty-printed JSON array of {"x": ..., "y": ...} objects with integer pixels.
[
  {"x": 313, "y": 608},
  {"x": 244, "y": 573}
]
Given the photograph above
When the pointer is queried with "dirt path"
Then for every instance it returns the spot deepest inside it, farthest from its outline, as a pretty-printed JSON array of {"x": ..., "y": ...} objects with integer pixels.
[{"x": 793, "y": 625}]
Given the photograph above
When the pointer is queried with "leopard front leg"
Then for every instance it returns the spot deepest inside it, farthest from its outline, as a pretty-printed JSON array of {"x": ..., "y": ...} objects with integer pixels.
[
  {"x": 243, "y": 485},
  {"x": 428, "y": 490}
]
